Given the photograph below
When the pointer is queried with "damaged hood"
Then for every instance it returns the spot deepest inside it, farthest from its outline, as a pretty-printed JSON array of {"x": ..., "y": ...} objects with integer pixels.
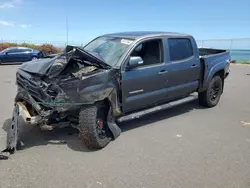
[
  {"x": 53, "y": 66},
  {"x": 39, "y": 66}
]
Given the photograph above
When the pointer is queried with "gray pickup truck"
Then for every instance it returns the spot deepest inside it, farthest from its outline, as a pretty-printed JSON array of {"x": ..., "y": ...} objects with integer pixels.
[{"x": 116, "y": 77}]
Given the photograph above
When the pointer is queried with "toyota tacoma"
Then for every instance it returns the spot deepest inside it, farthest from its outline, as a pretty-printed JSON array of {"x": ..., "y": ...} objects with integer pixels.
[{"x": 116, "y": 77}]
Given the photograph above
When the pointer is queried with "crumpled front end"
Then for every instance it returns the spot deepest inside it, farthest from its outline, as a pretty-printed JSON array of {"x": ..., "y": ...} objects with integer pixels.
[
  {"x": 60, "y": 99},
  {"x": 51, "y": 92},
  {"x": 65, "y": 82}
]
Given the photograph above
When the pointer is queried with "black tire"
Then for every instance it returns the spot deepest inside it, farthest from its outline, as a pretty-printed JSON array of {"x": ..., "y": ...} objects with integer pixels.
[
  {"x": 34, "y": 58},
  {"x": 211, "y": 96},
  {"x": 1, "y": 61},
  {"x": 92, "y": 135}
]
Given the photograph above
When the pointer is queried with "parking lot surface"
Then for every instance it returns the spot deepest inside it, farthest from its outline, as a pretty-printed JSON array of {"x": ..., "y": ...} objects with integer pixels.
[{"x": 183, "y": 147}]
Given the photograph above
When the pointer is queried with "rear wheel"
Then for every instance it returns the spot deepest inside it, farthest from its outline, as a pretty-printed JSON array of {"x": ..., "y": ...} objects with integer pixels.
[
  {"x": 33, "y": 58},
  {"x": 211, "y": 96},
  {"x": 93, "y": 126}
]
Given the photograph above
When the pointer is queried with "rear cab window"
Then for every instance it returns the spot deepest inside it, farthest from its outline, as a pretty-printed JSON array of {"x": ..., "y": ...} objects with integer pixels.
[{"x": 180, "y": 49}]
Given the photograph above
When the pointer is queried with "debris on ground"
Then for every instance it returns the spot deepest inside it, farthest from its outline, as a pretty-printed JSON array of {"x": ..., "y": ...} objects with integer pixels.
[
  {"x": 245, "y": 123},
  {"x": 12, "y": 136}
]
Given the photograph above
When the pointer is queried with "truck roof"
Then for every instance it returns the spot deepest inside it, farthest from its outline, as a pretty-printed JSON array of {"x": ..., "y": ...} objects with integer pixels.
[{"x": 145, "y": 34}]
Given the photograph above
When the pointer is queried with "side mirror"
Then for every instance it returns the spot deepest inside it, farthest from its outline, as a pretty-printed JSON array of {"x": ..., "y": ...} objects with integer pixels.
[
  {"x": 135, "y": 62},
  {"x": 6, "y": 53}
]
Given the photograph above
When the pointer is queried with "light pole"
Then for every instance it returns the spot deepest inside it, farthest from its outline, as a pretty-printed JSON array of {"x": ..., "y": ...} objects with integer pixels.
[{"x": 67, "y": 28}]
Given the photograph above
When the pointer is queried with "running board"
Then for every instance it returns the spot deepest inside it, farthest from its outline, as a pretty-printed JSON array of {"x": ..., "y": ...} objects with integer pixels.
[{"x": 157, "y": 108}]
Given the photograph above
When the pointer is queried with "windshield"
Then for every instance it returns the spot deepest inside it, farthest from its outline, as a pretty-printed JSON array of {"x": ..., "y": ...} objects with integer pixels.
[
  {"x": 110, "y": 49},
  {"x": 5, "y": 50}
]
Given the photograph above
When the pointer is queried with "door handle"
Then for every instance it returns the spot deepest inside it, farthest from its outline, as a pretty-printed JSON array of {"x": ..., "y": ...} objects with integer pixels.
[
  {"x": 163, "y": 72},
  {"x": 193, "y": 66}
]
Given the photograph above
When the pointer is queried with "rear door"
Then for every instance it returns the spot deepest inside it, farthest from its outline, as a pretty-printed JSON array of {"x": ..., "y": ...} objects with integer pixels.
[
  {"x": 24, "y": 55},
  {"x": 12, "y": 55},
  {"x": 144, "y": 85},
  {"x": 183, "y": 66}
]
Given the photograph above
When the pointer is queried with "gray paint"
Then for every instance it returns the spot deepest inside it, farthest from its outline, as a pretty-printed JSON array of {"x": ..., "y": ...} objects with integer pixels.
[
  {"x": 214, "y": 64},
  {"x": 126, "y": 91},
  {"x": 146, "y": 34},
  {"x": 181, "y": 78}
]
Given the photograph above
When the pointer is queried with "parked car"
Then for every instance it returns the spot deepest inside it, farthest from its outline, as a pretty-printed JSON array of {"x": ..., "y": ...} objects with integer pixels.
[
  {"x": 50, "y": 55},
  {"x": 19, "y": 54},
  {"x": 114, "y": 78}
]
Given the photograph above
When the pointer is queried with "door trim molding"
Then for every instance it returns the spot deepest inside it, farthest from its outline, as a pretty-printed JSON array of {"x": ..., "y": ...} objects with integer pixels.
[{"x": 136, "y": 91}]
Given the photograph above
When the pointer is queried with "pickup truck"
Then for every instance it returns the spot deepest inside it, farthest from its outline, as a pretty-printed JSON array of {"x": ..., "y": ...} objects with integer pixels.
[{"x": 116, "y": 77}]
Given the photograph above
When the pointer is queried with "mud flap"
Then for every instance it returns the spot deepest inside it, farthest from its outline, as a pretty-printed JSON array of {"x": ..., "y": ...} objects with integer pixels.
[
  {"x": 115, "y": 130},
  {"x": 12, "y": 135}
]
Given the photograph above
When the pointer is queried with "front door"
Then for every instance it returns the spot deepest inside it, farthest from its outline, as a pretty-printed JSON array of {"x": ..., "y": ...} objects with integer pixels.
[
  {"x": 12, "y": 55},
  {"x": 144, "y": 86}
]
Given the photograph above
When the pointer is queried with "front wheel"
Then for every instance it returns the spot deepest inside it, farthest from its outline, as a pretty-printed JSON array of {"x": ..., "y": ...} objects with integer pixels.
[
  {"x": 93, "y": 126},
  {"x": 211, "y": 96}
]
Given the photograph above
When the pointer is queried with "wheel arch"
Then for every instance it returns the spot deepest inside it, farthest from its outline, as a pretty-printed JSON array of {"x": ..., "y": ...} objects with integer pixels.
[
  {"x": 221, "y": 74},
  {"x": 113, "y": 111},
  {"x": 211, "y": 75}
]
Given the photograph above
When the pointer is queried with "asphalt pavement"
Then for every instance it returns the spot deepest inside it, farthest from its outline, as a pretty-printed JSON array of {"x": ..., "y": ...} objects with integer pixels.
[{"x": 183, "y": 147}]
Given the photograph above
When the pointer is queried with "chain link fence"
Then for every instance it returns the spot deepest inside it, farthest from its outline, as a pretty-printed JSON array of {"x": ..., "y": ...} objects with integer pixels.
[{"x": 239, "y": 48}]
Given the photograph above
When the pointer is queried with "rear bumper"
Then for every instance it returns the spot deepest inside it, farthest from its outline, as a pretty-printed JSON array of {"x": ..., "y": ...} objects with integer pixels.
[
  {"x": 227, "y": 70},
  {"x": 227, "y": 74}
]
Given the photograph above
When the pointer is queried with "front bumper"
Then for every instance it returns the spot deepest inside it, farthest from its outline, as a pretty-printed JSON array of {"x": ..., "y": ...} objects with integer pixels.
[
  {"x": 24, "y": 113},
  {"x": 13, "y": 140}
]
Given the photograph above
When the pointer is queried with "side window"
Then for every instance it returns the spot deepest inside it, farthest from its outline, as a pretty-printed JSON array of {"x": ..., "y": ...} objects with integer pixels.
[
  {"x": 151, "y": 52},
  {"x": 23, "y": 50},
  {"x": 12, "y": 51},
  {"x": 180, "y": 49},
  {"x": 26, "y": 50},
  {"x": 138, "y": 48}
]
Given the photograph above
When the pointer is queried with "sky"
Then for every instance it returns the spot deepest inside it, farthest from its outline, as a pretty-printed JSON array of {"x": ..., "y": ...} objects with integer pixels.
[{"x": 36, "y": 20}]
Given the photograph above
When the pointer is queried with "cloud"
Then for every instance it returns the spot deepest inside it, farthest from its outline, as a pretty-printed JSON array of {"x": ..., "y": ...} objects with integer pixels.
[
  {"x": 10, "y": 4},
  {"x": 24, "y": 26},
  {"x": 5, "y": 23},
  {"x": 11, "y": 24},
  {"x": 6, "y": 5}
]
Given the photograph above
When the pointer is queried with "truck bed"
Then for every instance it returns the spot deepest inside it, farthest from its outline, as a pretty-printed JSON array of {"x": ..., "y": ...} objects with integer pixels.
[
  {"x": 212, "y": 60},
  {"x": 210, "y": 51}
]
